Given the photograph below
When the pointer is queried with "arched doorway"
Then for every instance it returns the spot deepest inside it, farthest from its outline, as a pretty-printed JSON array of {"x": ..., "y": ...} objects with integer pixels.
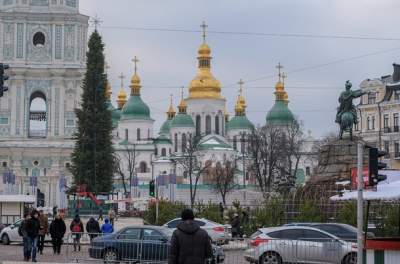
[{"x": 37, "y": 115}]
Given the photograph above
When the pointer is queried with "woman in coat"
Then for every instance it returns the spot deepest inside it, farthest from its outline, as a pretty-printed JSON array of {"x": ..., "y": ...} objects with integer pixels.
[{"x": 57, "y": 232}]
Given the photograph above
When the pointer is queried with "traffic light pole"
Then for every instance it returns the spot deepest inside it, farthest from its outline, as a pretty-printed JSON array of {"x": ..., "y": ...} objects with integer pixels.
[{"x": 360, "y": 202}]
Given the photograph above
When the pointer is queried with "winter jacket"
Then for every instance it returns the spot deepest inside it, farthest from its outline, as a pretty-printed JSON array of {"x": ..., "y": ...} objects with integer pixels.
[
  {"x": 44, "y": 225},
  {"x": 107, "y": 228},
  {"x": 32, "y": 227},
  {"x": 22, "y": 229},
  {"x": 74, "y": 222},
  {"x": 190, "y": 244},
  {"x": 57, "y": 228},
  {"x": 92, "y": 226},
  {"x": 235, "y": 225}
]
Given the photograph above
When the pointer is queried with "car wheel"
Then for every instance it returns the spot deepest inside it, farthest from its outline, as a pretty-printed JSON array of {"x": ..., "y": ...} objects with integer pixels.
[
  {"x": 110, "y": 256},
  {"x": 5, "y": 239},
  {"x": 270, "y": 258},
  {"x": 350, "y": 259}
]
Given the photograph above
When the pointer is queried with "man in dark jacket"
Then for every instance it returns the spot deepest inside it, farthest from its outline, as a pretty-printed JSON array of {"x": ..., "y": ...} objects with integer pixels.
[
  {"x": 32, "y": 230},
  {"x": 24, "y": 234},
  {"x": 189, "y": 244},
  {"x": 57, "y": 232},
  {"x": 93, "y": 228},
  {"x": 44, "y": 229}
]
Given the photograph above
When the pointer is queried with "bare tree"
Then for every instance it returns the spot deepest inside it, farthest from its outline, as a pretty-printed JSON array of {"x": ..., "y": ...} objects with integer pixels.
[
  {"x": 190, "y": 160},
  {"x": 275, "y": 152},
  {"x": 126, "y": 164},
  {"x": 224, "y": 178}
]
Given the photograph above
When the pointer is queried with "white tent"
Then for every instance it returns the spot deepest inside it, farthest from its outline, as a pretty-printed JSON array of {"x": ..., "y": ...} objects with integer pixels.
[{"x": 386, "y": 190}]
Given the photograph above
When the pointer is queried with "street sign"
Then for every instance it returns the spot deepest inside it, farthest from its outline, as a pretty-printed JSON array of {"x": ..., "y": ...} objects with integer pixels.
[{"x": 354, "y": 181}]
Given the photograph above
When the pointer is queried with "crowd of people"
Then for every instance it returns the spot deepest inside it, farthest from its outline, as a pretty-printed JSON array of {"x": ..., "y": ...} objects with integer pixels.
[{"x": 35, "y": 226}]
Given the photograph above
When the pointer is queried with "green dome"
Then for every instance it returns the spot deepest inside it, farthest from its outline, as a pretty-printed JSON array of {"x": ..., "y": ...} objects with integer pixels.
[
  {"x": 162, "y": 140},
  {"x": 135, "y": 108},
  {"x": 239, "y": 122},
  {"x": 279, "y": 114},
  {"x": 182, "y": 120},
  {"x": 166, "y": 126}
]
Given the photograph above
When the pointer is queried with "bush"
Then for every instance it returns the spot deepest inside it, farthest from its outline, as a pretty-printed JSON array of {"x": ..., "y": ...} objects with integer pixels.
[
  {"x": 348, "y": 213},
  {"x": 209, "y": 211},
  {"x": 166, "y": 212},
  {"x": 309, "y": 211}
]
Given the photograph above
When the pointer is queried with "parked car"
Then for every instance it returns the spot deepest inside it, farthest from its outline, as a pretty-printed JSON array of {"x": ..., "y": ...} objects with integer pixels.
[
  {"x": 219, "y": 234},
  {"x": 299, "y": 244},
  {"x": 342, "y": 231},
  {"x": 10, "y": 234},
  {"x": 139, "y": 244}
]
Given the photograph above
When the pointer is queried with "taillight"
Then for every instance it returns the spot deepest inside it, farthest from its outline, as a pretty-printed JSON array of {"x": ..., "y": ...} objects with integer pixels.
[
  {"x": 219, "y": 229},
  {"x": 257, "y": 241}
]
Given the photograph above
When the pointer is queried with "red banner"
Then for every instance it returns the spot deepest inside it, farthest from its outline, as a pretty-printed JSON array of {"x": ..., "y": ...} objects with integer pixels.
[{"x": 354, "y": 181}]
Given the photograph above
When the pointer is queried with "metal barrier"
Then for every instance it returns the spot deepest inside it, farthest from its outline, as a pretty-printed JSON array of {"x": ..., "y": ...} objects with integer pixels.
[{"x": 133, "y": 248}]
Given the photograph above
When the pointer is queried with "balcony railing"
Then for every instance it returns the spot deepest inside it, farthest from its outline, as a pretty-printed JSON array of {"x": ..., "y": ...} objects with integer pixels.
[
  {"x": 386, "y": 129},
  {"x": 396, "y": 129}
]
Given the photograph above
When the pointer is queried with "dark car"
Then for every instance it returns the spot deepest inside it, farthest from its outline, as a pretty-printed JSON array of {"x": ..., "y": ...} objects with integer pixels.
[
  {"x": 342, "y": 231},
  {"x": 139, "y": 244}
]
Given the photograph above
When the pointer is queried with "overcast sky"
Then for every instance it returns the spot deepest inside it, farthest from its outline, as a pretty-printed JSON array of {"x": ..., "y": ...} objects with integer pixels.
[{"x": 168, "y": 59}]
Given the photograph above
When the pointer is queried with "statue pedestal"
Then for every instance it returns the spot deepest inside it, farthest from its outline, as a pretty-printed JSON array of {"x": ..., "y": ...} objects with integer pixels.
[{"x": 335, "y": 162}]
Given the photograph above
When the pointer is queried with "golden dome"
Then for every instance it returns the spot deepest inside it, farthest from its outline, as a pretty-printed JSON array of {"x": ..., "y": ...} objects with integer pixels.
[
  {"x": 121, "y": 98},
  {"x": 171, "y": 111},
  {"x": 135, "y": 85},
  {"x": 108, "y": 90},
  {"x": 182, "y": 107},
  {"x": 204, "y": 85},
  {"x": 286, "y": 98}
]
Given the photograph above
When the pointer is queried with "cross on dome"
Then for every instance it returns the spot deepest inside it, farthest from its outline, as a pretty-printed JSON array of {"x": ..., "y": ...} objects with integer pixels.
[
  {"x": 135, "y": 60},
  {"x": 279, "y": 67},
  {"x": 204, "y": 26},
  {"x": 284, "y": 76},
  {"x": 122, "y": 77},
  {"x": 241, "y": 83}
]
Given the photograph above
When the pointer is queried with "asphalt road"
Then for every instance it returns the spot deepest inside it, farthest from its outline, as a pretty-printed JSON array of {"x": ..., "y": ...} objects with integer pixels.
[{"x": 13, "y": 253}]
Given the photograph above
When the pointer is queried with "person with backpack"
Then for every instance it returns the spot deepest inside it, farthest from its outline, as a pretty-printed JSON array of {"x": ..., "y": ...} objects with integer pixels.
[
  {"x": 107, "y": 228},
  {"x": 93, "y": 228},
  {"x": 24, "y": 234},
  {"x": 76, "y": 228},
  {"x": 57, "y": 232},
  {"x": 32, "y": 230}
]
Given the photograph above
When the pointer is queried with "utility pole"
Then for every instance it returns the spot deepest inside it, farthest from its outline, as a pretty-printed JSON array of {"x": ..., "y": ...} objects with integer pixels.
[
  {"x": 360, "y": 202},
  {"x": 157, "y": 182}
]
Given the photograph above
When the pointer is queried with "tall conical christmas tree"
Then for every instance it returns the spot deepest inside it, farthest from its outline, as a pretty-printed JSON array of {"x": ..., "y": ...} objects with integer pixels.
[{"x": 93, "y": 156}]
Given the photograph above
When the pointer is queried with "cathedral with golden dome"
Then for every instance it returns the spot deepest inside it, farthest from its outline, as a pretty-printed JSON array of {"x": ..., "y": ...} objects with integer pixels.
[{"x": 201, "y": 121}]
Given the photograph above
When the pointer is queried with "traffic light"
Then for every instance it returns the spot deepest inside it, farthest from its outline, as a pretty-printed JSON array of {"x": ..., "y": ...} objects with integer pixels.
[
  {"x": 375, "y": 165},
  {"x": 152, "y": 188},
  {"x": 3, "y": 78}
]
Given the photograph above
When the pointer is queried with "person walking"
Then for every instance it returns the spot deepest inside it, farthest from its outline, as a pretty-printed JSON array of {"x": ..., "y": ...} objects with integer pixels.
[
  {"x": 93, "y": 228},
  {"x": 76, "y": 228},
  {"x": 57, "y": 232},
  {"x": 189, "y": 243},
  {"x": 111, "y": 216},
  {"x": 235, "y": 224},
  {"x": 32, "y": 229},
  {"x": 100, "y": 213},
  {"x": 43, "y": 230},
  {"x": 221, "y": 211},
  {"x": 107, "y": 227},
  {"x": 24, "y": 234},
  {"x": 55, "y": 211}
]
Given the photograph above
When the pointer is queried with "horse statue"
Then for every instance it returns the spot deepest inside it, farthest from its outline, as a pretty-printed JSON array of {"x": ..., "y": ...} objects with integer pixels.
[{"x": 346, "y": 115}]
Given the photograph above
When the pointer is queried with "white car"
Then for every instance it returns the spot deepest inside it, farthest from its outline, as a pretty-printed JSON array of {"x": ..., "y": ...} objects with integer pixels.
[
  {"x": 299, "y": 244},
  {"x": 10, "y": 234},
  {"x": 219, "y": 234}
]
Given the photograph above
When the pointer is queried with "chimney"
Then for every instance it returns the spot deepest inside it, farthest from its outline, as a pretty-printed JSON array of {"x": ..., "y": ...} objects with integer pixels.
[{"x": 396, "y": 72}]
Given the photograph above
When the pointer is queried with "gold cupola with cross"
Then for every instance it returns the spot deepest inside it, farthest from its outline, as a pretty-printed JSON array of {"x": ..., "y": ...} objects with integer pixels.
[
  {"x": 121, "y": 95},
  {"x": 204, "y": 85}
]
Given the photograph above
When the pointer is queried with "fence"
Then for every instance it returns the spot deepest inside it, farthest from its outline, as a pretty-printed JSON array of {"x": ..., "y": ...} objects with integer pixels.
[{"x": 130, "y": 247}]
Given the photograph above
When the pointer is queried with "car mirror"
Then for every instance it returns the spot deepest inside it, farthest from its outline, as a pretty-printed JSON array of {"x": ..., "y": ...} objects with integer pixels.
[
  {"x": 12, "y": 226},
  {"x": 163, "y": 239}
]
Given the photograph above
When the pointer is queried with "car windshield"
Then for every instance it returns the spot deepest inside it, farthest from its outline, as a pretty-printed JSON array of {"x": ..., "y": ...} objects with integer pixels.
[{"x": 168, "y": 232}]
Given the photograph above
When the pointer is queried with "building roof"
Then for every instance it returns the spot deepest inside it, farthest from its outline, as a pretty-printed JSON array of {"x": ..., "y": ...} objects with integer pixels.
[
  {"x": 135, "y": 108},
  {"x": 182, "y": 120},
  {"x": 115, "y": 113},
  {"x": 166, "y": 127},
  {"x": 213, "y": 142},
  {"x": 279, "y": 114},
  {"x": 162, "y": 139},
  {"x": 239, "y": 122}
]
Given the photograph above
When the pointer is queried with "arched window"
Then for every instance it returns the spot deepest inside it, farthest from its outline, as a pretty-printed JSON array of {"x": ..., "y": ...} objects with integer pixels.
[
  {"x": 163, "y": 152},
  {"x": 198, "y": 125},
  {"x": 126, "y": 134},
  {"x": 176, "y": 142},
  {"x": 143, "y": 167},
  {"x": 183, "y": 142},
  {"x": 242, "y": 142},
  {"x": 38, "y": 115},
  {"x": 208, "y": 125},
  {"x": 235, "y": 142},
  {"x": 138, "y": 134},
  {"x": 39, "y": 39},
  {"x": 217, "y": 125}
]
